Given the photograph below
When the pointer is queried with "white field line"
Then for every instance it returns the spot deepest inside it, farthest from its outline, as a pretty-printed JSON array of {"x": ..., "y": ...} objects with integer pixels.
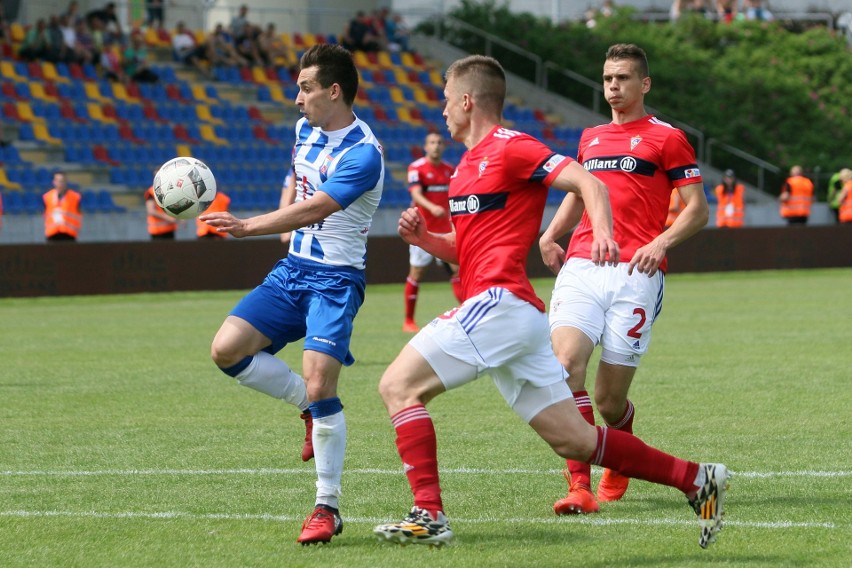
[
  {"x": 370, "y": 471},
  {"x": 585, "y": 520}
]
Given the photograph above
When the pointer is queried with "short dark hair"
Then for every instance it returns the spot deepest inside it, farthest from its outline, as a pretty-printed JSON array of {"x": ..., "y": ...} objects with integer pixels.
[
  {"x": 632, "y": 52},
  {"x": 334, "y": 64}
]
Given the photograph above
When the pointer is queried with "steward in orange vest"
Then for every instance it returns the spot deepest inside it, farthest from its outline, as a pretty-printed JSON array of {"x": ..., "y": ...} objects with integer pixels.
[
  {"x": 161, "y": 225},
  {"x": 204, "y": 231},
  {"x": 62, "y": 215},
  {"x": 730, "y": 195},
  {"x": 676, "y": 205},
  {"x": 796, "y": 197},
  {"x": 845, "y": 198}
]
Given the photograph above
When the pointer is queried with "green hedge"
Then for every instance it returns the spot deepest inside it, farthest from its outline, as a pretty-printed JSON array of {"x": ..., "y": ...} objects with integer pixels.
[{"x": 782, "y": 96}]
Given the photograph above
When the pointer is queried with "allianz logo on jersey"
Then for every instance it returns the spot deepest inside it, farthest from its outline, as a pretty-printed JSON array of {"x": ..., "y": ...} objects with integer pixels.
[
  {"x": 623, "y": 163},
  {"x": 477, "y": 203}
]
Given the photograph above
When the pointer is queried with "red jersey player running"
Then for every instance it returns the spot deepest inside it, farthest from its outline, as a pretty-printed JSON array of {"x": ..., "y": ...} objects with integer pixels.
[
  {"x": 640, "y": 158},
  {"x": 497, "y": 200},
  {"x": 428, "y": 181}
]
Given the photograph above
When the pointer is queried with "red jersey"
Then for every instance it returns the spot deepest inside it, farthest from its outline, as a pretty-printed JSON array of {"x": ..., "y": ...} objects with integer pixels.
[
  {"x": 640, "y": 162},
  {"x": 497, "y": 198},
  {"x": 434, "y": 179}
]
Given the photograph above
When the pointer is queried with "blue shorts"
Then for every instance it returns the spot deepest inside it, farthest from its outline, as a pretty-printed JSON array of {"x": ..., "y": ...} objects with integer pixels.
[{"x": 302, "y": 298}]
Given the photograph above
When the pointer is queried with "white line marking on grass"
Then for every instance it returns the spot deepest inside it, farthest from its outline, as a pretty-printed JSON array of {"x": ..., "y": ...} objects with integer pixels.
[
  {"x": 373, "y": 521},
  {"x": 372, "y": 471}
]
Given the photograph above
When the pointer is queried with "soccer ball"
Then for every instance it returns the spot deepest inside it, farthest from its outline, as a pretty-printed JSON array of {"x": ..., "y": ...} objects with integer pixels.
[{"x": 184, "y": 187}]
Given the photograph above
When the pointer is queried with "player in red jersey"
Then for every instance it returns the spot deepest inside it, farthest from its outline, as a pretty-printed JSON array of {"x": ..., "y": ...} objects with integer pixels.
[
  {"x": 497, "y": 199},
  {"x": 428, "y": 182},
  {"x": 640, "y": 158}
]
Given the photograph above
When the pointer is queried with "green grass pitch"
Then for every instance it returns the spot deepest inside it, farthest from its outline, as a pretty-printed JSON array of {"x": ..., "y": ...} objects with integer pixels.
[{"x": 122, "y": 445}]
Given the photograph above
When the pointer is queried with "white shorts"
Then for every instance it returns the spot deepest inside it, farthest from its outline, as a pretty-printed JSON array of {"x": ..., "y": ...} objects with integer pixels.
[
  {"x": 418, "y": 257},
  {"x": 498, "y": 333},
  {"x": 611, "y": 307}
]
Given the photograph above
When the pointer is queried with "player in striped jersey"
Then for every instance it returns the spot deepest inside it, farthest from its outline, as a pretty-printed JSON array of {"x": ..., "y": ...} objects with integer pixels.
[{"x": 315, "y": 292}]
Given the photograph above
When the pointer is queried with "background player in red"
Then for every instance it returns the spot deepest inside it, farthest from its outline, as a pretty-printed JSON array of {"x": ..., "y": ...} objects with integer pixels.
[
  {"x": 428, "y": 182},
  {"x": 497, "y": 199},
  {"x": 640, "y": 158}
]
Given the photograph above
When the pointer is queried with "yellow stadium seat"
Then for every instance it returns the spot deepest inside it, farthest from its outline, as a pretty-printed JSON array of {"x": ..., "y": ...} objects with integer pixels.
[
  {"x": 258, "y": 75},
  {"x": 401, "y": 76},
  {"x": 276, "y": 93},
  {"x": 25, "y": 111},
  {"x": 207, "y": 133},
  {"x": 119, "y": 91},
  {"x": 93, "y": 92},
  {"x": 183, "y": 150},
  {"x": 18, "y": 32},
  {"x": 385, "y": 60},
  {"x": 397, "y": 95},
  {"x": 200, "y": 95},
  {"x": 51, "y": 74},
  {"x": 41, "y": 132},
  {"x": 203, "y": 113},
  {"x": 7, "y": 71},
  {"x": 361, "y": 61},
  {"x": 38, "y": 92},
  {"x": 6, "y": 182},
  {"x": 309, "y": 39}
]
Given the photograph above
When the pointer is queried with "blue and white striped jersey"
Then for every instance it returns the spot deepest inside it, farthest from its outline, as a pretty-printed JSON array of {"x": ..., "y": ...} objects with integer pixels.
[{"x": 346, "y": 164}]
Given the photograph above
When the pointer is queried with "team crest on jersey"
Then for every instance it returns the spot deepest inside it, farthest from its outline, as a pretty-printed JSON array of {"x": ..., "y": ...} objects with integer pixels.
[
  {"x": 326, "y": 164},
  {"x": 635, "y": 141},
  {"x": 482, "y": 165}
]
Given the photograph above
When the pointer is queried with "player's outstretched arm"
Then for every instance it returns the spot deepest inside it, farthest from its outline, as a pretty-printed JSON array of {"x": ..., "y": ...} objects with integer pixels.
[
  {"x": 412, "y": 229},
  {"x": 298, "y": 215}
]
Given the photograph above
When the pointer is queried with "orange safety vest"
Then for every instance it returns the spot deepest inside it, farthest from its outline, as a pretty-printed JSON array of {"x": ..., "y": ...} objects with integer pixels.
[
  {"x": 676, "y": 205},
  {"x": 157, "y": 226},
  {"x": 801, "y": 191},
  {"x": 730, "y": 211},
  {"x": 845, "y": 214},
  {"x": 62, "y": 215},
  {"x": 220, "y": 203}
]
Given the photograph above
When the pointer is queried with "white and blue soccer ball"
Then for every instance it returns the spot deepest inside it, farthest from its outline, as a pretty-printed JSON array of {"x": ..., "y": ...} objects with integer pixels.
[{"x": 184, "y": 187}]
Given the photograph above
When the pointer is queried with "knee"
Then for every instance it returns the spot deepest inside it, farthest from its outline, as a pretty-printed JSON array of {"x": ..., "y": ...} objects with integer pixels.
[
  {"x": 611, "y": 408},
  {"x": 580, "y": 445},
  {"x": 223, "y": 355},
  {"x": 575, "y": 366}
]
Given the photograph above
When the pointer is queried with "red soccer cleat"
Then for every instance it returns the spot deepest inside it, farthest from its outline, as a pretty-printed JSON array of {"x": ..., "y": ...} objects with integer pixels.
[
  {"x": 320, "y": 526},
  {"x": 579, "y": 501},
  {"x": 612, "y": 487},
  {"x": 410, "y": 326},
  {"x": 308, "y": 448}
]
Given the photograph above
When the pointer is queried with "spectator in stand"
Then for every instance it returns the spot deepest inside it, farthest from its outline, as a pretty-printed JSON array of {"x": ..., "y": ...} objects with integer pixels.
[
  {"x": 730, "y": 199},
  {"x": 1, "y": 210},
  {"x": 62, "y": 214},
  {"x": 726, "y": 10},
  {"x": 109, "y": 23},
  {"x": 36, "y": 44},
  {"x": 359, "y": 35},
  {"x": 796, "y": 197},
  {"x": 246, "y": 44},
  {"x": 85, "y": 51},
  {"x": 184, "y": 48},
  {"x": 271, "y": 48},
  {"x": 397, "y": 33},
  {"x": 59, "y": 51},
  {"x": 134, "y": 61},
  {"x": 238, "y": 24},
  {"x": 845, "y": 197},
  {"x": 161, "y": 225},
  {"x": 219, "y": 50},
  {"x": 755, "y": 10},
  {"x": 221, "y": 203},
  {"x": 73, "y": 13},
  {"x": 155, "y": 10}
]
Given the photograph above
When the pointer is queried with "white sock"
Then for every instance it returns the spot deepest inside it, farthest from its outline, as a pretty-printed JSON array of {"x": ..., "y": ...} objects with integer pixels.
[
  {"x": 329, "y": 438},
  {"x": 270, "y": 375}
]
